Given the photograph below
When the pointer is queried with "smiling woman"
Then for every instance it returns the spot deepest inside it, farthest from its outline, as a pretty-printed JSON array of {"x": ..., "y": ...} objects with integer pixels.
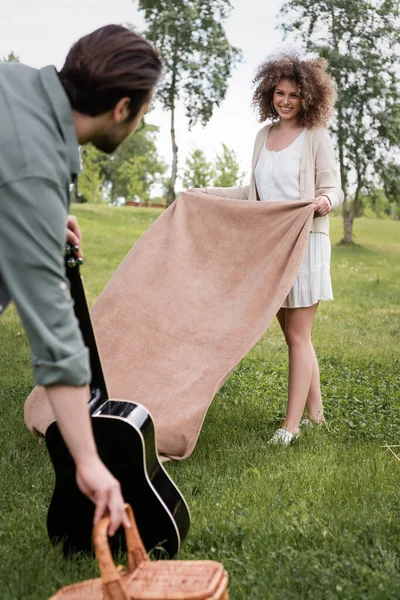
[{"x": 293, "y": 160}]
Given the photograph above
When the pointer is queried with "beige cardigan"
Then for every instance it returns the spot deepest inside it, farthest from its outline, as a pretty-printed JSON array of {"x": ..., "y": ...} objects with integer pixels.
[{"x": 319, "y": 174}]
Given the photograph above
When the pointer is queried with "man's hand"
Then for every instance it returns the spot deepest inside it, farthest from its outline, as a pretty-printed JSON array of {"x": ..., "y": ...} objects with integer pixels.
[
  {"x": 101, "y": 487},
  {"x": 323, "y": 206},
  {"x": 74, "y": 235},
  {"x": 92, "y": 476}
]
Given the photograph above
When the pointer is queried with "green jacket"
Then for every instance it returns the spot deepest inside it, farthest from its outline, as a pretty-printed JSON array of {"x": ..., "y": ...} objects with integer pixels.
[{"x": 38, "y": 158}]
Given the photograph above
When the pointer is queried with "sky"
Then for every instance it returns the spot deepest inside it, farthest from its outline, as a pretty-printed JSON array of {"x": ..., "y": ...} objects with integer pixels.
[{"x": 41, "y": 32}]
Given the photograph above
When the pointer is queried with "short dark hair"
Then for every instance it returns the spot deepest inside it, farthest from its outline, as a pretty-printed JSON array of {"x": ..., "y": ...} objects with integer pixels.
[{"x": 104, "y": 66}]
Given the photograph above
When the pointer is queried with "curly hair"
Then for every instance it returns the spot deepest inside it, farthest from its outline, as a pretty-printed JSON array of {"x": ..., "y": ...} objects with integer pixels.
[{"x": 316, "y": 87}]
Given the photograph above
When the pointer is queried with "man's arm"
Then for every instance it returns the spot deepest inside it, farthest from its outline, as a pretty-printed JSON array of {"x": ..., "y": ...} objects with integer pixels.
[
  {"x": 70, "y": 406},
  {"x": 32, "y": 237}
]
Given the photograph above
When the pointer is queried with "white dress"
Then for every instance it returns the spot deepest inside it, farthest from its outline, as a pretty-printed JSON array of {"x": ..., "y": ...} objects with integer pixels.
[{"x": 277, "y": 177}]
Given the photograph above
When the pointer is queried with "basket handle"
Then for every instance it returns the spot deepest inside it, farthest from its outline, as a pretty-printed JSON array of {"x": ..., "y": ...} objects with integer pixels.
[{"x": 135, "y": 549}]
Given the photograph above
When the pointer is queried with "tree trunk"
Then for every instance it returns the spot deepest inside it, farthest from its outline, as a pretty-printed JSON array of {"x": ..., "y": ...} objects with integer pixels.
[
  {"x": 348, "y": 220},
  {"x": 348, "y": 212},
  {"x": 171, "y": 187},
  {"x": 352, "y": 211},
  {"x": 173, "y": 94}
]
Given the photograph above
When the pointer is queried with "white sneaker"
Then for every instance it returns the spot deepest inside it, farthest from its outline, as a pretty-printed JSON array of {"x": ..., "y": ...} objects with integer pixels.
[{"x": 281, "y": 436}]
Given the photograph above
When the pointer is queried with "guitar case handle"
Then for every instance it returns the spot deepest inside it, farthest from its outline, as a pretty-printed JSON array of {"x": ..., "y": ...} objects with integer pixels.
[{"x": 110, "y": 574}]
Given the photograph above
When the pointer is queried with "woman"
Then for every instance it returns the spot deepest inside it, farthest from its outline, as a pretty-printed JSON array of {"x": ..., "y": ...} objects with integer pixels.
[{"x": 293, "y": 159}]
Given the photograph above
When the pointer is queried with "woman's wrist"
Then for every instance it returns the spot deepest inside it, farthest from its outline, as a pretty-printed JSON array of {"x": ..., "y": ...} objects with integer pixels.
[{"x": 326, "y": 196}]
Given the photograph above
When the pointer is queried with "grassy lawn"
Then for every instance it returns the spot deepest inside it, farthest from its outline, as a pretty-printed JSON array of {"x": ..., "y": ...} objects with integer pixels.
[{"x": 318, "y": 520}]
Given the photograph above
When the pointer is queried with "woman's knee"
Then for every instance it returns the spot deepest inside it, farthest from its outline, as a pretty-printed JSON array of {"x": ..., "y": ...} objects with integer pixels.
[
  {"x": 295, "y": 337},
  {"x": 298, "y": 326}
]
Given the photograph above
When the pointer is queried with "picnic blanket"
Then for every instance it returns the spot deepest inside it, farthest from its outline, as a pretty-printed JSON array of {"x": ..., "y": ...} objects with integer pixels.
[{"x": 188, "y": 302}]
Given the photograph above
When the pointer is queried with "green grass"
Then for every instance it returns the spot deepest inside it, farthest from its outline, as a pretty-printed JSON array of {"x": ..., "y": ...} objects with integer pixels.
[{"x": 320, "y": 519}]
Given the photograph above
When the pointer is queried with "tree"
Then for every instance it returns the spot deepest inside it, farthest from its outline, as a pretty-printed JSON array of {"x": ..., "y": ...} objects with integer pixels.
[
  {"x": 119, "y": 168},
  {"x": 130, "y": 172},
  {"x": 391, "y": 182},
  {"x": 198, "y": 172},
  {"x": 137, "y": 175},
  {"x": 198, "y": 59},
  {"x": 227, "y": 169},
  {"x": 360, "y": 40},
  {"x": 91, "y": 178},
  {"x": 10, "y": 58},
  {"x": 133, "y": 173}
]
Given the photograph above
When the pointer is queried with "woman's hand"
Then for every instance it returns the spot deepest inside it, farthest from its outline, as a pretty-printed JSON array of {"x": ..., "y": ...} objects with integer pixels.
[
  {"x": 101, "y": 487},
  {"x": 323, "y": 206},
  {"x": 74, "y": 235}
]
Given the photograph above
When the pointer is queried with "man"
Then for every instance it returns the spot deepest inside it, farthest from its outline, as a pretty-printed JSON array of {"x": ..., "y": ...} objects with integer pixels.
[{"x": 99, "y": 96}]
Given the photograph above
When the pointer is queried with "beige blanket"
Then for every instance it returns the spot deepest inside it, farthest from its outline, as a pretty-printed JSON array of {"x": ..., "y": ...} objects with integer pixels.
[{"x": 190, "y": 299}]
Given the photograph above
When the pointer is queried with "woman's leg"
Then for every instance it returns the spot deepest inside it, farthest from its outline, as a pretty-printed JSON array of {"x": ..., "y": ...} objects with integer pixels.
[
  {"x": 296, "y": 324},
  {"x": 314, "y": 400}
]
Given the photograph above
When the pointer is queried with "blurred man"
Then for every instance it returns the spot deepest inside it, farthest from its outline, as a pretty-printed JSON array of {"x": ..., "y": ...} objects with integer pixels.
[{"x": 99, "y": 96}]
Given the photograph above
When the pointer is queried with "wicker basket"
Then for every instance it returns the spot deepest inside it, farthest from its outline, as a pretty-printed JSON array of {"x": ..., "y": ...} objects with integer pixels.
[{"x": 146, "y": 579}]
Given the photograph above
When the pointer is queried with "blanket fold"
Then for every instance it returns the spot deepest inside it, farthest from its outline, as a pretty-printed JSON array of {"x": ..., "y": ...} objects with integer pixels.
[{"x": 187, "y": 303}]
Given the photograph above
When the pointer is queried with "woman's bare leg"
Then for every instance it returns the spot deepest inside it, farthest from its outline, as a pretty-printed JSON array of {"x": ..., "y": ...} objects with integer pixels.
[
  {"x": 314, "y": 400},
  {"x": 304, "y": 387}
]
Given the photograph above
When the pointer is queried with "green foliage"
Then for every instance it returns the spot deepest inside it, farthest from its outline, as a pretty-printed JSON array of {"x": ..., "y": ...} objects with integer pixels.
[
  {"x": 197, "y": 55},
  {"x": 379, "y": 204},
  {"x": 135, "y": 166},
  {"x": 319, "y": 519},
  {"x": 10, "y": 58},
  {"x": 198, "y": 171},
  {"x": 91, "y": 178},
  {"x": 227, "y": 169},
  {"x": 131, "y": 172},
  {"x": 136, "y": 175},
  {"x": 391, "y": 182},
  {"x": 361, "y": 41}
]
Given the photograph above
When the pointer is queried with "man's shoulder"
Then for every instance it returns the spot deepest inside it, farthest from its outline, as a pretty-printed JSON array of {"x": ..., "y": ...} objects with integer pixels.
[
  {"x": 15, "y": 74},
  {"x": 16, "y": 67},
  {"x": 30, "y": 143}
]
